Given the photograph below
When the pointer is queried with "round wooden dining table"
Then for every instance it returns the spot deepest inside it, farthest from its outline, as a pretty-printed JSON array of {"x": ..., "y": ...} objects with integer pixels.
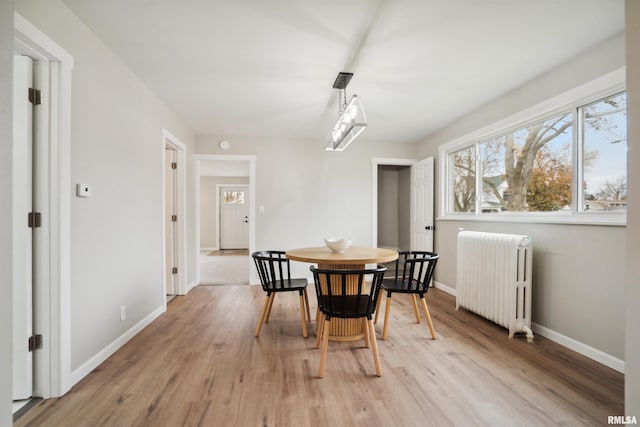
[{"x": 354, "y": 258}]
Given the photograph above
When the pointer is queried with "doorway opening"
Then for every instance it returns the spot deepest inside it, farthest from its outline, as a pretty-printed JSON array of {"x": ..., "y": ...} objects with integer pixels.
[
  {"x": 390, "y": 202},
  {"x": 225, "y": 218},
  {"x": 403, "y": 200},
  {"x": 394, "y": 207},
  {"x": 174, "y": 184}
]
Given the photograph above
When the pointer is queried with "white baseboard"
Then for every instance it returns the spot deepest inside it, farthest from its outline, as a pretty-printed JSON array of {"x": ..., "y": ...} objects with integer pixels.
[
  {"x": 588, "y": 351},
  {"x": 191, "y": 286},
  {"x": 445, "y": 288},
  {"x": 585, "y": 350},
  {"x": 111, "y": 348}
]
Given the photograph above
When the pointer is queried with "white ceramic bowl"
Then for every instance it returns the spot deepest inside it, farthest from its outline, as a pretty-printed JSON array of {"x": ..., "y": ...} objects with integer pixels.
[{"x": 337, "y": 244}]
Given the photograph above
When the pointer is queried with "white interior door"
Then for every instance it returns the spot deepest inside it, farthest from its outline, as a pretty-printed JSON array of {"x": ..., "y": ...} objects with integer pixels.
[
  {"x": 170, "y": 221},
  {"x": 234, "y": 217},
  {"x": 22, "y": 237},
  {"x": 422, "y": 224}
]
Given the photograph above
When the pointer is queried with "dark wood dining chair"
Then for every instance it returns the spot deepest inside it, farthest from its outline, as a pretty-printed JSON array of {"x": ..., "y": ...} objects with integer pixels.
[
  {"x": 414, "y": 271},
  {"x": 275, "y": 276},
  {"x": 347, "y": 294}
]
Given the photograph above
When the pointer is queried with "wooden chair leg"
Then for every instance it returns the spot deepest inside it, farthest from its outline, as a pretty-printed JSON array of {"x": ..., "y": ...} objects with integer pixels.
[
  {"x": 325, "y": 345},
  {"x": 306, "y": 301},
  {"x": 415, "y": 308},
  {"x": 263, "y": 311},
  {"x": 386, "y": 318},
  {"x": 378, "y": 307},
  {"x": 303, "y": 316},
  {"x": 365, "y": 329},
  {"x": 429, "y": 322},
  {"x": 374, "y": 347},
  {"x": 320, "y": 320},
  {"x": 273, "y": 296}
]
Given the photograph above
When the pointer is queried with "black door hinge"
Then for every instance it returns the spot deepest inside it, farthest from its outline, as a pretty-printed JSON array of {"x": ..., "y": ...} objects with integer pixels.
[
  {"x": 35, "y": 96},
  {"x": 35, "y": 342},
  {"x": 35, "y": 220}
]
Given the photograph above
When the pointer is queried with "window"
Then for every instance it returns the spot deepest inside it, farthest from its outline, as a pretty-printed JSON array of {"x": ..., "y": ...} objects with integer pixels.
[
  {"x": 529, "y": 169},
  {"x": 463, "y": 164},
  {"x": 233, "y": 197},
  {"x": 604, "y": 139},
  {"x": 571, "y": 162}
]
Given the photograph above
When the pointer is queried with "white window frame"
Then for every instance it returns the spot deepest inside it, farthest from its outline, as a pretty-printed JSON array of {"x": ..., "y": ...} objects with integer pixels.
[{"x": 569, "y": 101}]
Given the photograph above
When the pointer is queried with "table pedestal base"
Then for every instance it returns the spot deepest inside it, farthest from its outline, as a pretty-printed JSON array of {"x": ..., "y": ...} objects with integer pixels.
[{"x": 345, "y": 329}]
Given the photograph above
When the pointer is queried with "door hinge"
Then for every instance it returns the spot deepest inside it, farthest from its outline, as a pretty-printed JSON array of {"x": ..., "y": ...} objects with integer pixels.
[
  {"x": 35, "y": 96},
  {"x": 174, "y": 165},
  {"x": 35, "y": 220},
  {"x": 35, "y": 342},
  {"x": 174, "y": 270},
  {"x": 174, "y": 218}
]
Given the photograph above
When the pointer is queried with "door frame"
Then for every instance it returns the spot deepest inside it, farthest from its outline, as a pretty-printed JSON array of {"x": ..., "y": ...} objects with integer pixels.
[
  {"x": 219, "y": 188},
  {"x": 169, "y": 141},
  {"x": 375, "y": 162},
  {"x": 25, "y": 238},
  {"x": 198, "y": 159},
  {"x": 52, "y": 295}
]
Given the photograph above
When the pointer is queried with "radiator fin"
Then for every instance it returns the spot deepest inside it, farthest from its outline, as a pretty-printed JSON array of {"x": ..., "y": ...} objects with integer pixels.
[{"x": 494, "y": 278}]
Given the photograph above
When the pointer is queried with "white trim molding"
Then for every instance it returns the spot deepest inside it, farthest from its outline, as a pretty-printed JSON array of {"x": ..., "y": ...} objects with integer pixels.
[
  {"x": 579, "y": 347},
  {"x": 172, "y": 142},
  {"x": 445, "y": 288},
  {"x": 53, "y": 368},
  {"x": 112, "y": 347},
  {"x": 565, "y": 341}
]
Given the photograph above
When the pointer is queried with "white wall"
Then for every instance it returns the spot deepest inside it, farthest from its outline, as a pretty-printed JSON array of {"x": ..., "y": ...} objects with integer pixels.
[
  {"x": 209, "y": 204},
  {"x": 578, "y": 270},
  {"x": 116, "y": 146},
  {"x": 308, "y": 193},
  {"x": 6, "y": 137},
  {"x": 632, "y": 296}
]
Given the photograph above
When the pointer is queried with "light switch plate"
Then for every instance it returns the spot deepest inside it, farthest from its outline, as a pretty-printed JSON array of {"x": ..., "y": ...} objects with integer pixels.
[{"x": 83, "y": 190}]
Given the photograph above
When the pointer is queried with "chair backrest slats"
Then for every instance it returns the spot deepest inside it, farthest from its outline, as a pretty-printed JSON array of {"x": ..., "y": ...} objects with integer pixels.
[
  {"x": 273, "y": 269},
  {"x": 414, "y": 269},
  {"x": 344, "y": 293}
]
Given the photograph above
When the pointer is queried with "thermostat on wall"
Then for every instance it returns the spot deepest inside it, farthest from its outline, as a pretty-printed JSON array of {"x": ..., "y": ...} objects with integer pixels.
[{"x": 83, "y": 190}]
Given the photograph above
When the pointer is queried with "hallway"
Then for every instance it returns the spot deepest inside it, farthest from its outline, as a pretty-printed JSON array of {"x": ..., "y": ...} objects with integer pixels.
[{"x": 223, "y": 269}]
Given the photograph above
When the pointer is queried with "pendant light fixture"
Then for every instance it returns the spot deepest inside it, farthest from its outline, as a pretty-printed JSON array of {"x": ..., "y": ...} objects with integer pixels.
[{"x": 351, "y": 118}]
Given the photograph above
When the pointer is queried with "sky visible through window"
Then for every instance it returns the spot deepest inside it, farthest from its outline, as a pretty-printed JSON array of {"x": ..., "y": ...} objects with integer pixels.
[
  {"x": 533, "y": 167},
  {"x": 606, "y": 137}
]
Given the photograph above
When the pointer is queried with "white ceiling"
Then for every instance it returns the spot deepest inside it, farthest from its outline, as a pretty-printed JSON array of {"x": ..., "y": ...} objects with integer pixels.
[{"x": 265, "y": 68}]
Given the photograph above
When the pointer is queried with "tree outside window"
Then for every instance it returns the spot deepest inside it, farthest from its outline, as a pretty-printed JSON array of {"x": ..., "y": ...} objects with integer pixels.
[
  {"x": 463, "y": 163},
  {"x": 532, "y": 166},
  {"x": 531, "y": 169}
]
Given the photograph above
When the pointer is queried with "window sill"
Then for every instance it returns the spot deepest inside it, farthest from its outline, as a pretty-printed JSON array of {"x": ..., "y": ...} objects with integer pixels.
[{"x": 611, "y": 219}]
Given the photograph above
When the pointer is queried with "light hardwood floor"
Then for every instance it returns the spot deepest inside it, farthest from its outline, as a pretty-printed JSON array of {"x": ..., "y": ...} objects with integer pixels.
[{"x": 200, "y": 365}]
